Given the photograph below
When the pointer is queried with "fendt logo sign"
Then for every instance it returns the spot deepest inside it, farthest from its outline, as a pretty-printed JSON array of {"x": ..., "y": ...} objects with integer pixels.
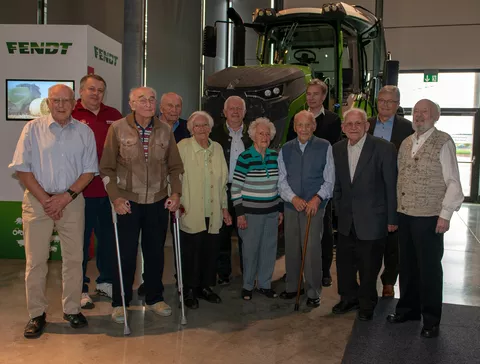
[
  {"x": 105, "y": 56},
  {"x": 38, "y": 47}
]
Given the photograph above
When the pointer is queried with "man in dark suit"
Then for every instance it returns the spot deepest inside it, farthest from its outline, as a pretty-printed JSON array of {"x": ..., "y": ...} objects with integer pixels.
[
  {"x": 328, "y": 128},
  {"x": 392, "y": 127},
  {"x": 170, "y": 111},
  {"x": 365, "y": 203},
  {"x": 232, "y": 135}
]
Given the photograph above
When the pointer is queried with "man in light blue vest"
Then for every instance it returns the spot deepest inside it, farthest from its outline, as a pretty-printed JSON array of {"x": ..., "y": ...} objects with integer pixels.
[{"x": 307, "y": 176}]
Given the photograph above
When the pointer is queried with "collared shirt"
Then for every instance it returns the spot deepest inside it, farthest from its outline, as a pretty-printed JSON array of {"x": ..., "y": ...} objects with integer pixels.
[
  {"x": 448, "y": 159},
  {"x": 99, "y": 123},
  {"x": 326, "y": 189},
  {"x": 384, "y": 130},
  {"x": 145, "y": 136},
  {"x": 354, "y": 152},
  {"x": 322, "y": 111},
  {"x": 175, "y": 125},
  {"x": 236, "y": 148},
  {"x": 57, "y": 156}
]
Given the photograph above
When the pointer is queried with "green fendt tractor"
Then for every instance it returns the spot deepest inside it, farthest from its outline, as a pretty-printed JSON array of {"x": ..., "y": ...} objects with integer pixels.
[{"x": 341, "y": 44}]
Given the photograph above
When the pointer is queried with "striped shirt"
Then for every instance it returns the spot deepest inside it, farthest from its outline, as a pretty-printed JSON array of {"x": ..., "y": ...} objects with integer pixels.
[
  {"x": 255, "y": 179},
  {"x": 145, "y": 136}
]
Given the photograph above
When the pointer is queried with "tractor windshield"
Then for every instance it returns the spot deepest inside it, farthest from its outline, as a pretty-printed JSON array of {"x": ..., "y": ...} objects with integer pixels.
[{"x": 312, "y": 45}]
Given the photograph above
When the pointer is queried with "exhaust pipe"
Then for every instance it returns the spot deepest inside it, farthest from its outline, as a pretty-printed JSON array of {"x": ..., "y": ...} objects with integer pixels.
[{"x": 238, "y": 37}]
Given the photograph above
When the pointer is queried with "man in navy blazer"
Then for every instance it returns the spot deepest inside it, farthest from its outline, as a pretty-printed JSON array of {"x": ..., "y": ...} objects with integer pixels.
[
  {"x": 170, "y": 111},
  {"x": 366, "y": 205},
  {"x": 394, "y": 128}
]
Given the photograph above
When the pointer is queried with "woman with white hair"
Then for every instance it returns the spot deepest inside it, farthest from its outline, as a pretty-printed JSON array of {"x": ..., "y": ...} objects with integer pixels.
[
  {"x": 259, "y": 208},
  {"x": 204, "y": 197}
]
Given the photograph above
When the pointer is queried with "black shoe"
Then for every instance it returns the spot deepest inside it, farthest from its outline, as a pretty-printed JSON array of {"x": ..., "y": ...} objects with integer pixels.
[
  {"x": 190, "y": 299},
  {"x": 76, "y": 320},
  {"x": 246, "y": 294},
  {"x": 35, "y": 327},
  {"x": 141, "y": 290},
  {"x": 327, "y": 281},
  {"x": 430, "y": 332},
  {"x": 396, "y": 318},
  {"x": 313, "y": 302},
  {"x": 365, "y": 315},
  {"x": 289, "y": 295},
  {"x": 208, "y": 295},
  {"x": 270, "y": 293},
  {"x": 223, "y": 281},
  {"x": 345, "y": 306}
]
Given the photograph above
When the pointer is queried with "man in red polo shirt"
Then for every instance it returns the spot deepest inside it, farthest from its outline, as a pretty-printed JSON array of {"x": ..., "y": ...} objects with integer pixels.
[{"x": 90, "y": 110}]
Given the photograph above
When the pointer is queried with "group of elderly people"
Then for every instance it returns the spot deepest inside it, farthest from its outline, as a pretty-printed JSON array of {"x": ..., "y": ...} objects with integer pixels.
[{"x": 147, "y": 175}]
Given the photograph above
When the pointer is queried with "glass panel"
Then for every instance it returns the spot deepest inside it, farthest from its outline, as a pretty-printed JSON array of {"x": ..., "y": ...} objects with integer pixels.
[
  {"x": 453, "y": 90},
  {"x": 460, "y": 129},
  {"x": 309, "y": 44}
]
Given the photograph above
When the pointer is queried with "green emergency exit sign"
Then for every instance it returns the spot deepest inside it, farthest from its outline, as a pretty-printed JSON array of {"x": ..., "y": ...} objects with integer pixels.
[{"x": 430, "y": 77}]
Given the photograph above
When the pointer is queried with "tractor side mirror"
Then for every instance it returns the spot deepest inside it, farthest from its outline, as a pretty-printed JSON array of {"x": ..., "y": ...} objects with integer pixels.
[{"x": 209, "y": 41}]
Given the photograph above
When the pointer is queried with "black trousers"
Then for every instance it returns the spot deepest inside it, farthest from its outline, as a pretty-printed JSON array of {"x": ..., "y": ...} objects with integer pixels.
[
  {"x": 390, "y": 260},
  {"x": 199, "y": 257},
  {"x": 224, "y": 263},
  {"x": 152, "y": 220},
  {"x": 421, "y": 273},
  {"x": 362, "y": 256},
  {"x": 327, "y": 241}
]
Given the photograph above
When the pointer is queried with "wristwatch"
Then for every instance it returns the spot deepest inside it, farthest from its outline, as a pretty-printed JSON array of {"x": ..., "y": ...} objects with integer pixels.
[{"x": 72, "y": 194}]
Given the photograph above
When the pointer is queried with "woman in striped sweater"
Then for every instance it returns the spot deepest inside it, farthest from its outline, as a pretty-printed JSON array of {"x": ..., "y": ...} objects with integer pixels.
[{"x": 259, "y": 208}]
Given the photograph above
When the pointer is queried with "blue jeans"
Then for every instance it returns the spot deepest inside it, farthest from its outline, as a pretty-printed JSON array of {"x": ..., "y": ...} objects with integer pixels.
[{"x": 98, "y": 217}]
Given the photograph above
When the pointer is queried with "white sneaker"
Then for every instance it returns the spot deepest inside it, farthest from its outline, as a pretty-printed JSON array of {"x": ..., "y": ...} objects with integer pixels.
[
  {"x": 86, "y": 302},
  {"x": 160, "y": 308},
  {"x": 104, "y": 289},
  {"x": 117, "y": 315}
]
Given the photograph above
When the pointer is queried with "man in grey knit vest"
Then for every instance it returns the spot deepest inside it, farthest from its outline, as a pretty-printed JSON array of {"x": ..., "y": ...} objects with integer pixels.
[{"x": 428, "y": 192}]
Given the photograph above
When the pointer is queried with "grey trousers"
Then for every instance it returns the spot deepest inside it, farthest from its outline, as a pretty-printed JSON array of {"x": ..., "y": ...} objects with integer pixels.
[
  {"x": 295, "y": 226},
  {"x": 259, "y": 249}
]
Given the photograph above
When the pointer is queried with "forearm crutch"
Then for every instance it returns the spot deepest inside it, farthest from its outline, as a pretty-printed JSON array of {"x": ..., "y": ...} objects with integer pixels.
[
  {"x": 178, "y": 257},
  {"x": 126, "y": 329},
  {"x": 304, "y": 252}
]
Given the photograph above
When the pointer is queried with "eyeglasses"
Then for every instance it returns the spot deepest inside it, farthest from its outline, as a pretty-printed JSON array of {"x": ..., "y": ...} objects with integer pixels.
[
  {"x": 144, "y": 102},
  {"x": 58, "y": 102},
  {"x": 387, "y": 102},
  {"x": 356, "y": 124}
]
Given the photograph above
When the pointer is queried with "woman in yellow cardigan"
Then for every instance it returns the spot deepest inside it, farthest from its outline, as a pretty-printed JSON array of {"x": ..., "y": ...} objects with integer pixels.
[{"x": 204, "y": 197}]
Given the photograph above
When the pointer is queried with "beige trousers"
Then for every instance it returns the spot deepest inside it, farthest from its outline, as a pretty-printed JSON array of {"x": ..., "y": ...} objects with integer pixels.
[{"x": 37, "y": 232}]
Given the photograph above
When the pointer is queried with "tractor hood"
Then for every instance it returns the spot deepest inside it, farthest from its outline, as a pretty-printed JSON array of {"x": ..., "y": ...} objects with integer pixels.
[{"x": 254, "y": 76}]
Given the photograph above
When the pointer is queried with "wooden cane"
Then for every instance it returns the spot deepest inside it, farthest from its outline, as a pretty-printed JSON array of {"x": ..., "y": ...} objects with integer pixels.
[{"x": 300, "y": 277}]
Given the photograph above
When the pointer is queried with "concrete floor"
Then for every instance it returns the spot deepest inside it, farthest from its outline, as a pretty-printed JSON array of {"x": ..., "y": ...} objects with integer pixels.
[{"x": 261, "y": 331}]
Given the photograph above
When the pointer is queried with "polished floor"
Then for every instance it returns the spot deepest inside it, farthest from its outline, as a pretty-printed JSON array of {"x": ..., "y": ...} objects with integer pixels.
[{"x": 261, "y": 331}]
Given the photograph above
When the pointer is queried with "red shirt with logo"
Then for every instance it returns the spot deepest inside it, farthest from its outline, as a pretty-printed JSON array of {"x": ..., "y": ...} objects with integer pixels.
[{"x": 99, "y": 124}]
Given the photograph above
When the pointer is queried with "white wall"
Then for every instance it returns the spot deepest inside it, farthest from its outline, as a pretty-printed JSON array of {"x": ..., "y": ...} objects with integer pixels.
[
  {"x": 71, "y": 66},
  {"x": 431, "y": 34}
]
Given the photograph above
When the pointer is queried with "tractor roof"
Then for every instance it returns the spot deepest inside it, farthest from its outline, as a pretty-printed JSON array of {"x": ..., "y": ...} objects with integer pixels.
[{"x": 357, "y": 17}]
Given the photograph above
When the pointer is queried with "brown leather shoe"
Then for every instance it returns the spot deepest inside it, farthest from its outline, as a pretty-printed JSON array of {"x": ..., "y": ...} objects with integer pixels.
[{"x": 388, "y": 291}]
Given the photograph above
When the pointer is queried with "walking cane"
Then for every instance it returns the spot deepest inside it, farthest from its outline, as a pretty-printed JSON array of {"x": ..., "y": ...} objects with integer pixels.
[
  {"x": 304, "y": 252},
  {"x": 178, "y": 258},
  {"x": 126, "y": 329}
]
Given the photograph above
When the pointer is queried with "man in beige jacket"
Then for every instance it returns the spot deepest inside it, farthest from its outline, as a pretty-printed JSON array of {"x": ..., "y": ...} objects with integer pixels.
[{"x": 140, "y": 154}]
